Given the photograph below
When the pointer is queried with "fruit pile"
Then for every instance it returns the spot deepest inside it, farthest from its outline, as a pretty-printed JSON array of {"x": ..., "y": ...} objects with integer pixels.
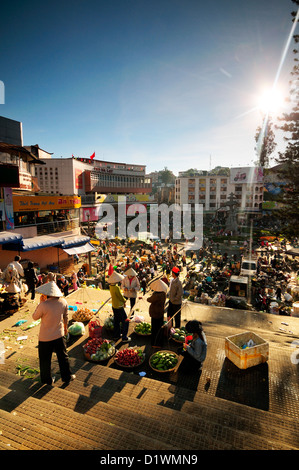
[
  {"x": 98, "y": 349},
  {"x": 179, "y": 334},
  {"x": 109, "y": 323},
  {"x": 163, "y": 360},
  {"x": 143, "y": 328},
  {"x": 129, "y": 357},
  {"x": 83, "y": 314}
]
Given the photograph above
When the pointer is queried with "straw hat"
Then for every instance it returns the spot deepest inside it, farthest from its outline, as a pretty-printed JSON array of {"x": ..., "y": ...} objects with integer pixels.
[
  {"x": 159, "y": 286},
  {"x": 114, "y": 278},
  {"x": 50, "y": 289},
  {"x": 130, "y": 272}
]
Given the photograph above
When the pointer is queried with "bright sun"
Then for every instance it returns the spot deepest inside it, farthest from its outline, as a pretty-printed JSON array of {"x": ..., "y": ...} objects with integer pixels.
[{"x": 271, "y": 101}]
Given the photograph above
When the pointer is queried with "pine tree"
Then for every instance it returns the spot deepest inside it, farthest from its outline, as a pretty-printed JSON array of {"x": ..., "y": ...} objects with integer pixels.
[
  {"x": 265, "y": 143},
  {"x": 289, "y": 159}
]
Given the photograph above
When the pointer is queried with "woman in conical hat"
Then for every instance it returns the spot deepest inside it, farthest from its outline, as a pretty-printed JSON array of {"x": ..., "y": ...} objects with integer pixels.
[
  {"x": 131, "y": 272},
  {"x": 50, "y": 289},
  {"x": 156, "y": 312},
  {"x": 159, "y": 286},
  {"x": 131, "y": 285},
  {"x": 118, "y": 307},
  {"x": 115, "y": 278},
  {"x": 53, "y": 314}
]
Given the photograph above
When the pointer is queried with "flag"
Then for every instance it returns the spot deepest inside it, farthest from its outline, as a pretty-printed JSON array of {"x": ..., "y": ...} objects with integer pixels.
[{"x": 92, "y": 156}]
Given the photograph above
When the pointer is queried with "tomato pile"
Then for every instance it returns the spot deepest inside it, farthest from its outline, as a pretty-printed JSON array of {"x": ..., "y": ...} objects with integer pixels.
[{"x": 129, "y": 357}]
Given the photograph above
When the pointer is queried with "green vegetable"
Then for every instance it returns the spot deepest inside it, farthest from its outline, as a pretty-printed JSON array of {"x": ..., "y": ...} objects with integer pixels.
[
  {"x": 143, "y": 328},
  {"x": 163, "y": 360}
]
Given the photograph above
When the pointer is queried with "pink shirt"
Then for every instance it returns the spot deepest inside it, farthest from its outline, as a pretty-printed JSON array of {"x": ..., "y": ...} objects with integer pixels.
[{"x": 53, "y": 315}]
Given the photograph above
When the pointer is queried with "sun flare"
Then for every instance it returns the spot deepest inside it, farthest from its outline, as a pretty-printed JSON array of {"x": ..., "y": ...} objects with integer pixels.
[{"x": 271, "y": 101}]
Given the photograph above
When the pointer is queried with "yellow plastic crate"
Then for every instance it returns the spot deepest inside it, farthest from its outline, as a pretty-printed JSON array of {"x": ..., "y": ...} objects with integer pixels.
[{"x": 249, "y": 357}]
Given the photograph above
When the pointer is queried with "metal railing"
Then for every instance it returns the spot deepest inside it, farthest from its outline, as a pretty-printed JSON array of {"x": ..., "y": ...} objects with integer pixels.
[{"x": 46, "y": 228}]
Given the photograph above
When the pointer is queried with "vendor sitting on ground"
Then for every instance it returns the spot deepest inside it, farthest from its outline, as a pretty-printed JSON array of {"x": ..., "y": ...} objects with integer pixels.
[{"x": 195, "y": 352}]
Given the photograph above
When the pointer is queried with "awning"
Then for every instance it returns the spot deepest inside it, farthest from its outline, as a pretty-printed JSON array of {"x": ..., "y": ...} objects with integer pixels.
[
  {"x": 77, "y": 250},
  {"x": 42, "y": 241},
  {"x": 10, "y": 237},
  {"x": 76, "y": 241}
]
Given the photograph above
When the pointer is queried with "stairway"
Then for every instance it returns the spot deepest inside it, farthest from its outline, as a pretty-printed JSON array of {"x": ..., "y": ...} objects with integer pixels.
[{"x": 109, "y": 409}]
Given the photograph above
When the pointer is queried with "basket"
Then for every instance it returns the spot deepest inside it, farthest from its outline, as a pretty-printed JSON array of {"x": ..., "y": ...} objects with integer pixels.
[
  {"x": 95, "y": 329},
  {"x": 141, "y": 334},
  {"x": 167, "y": 370},
  {"x": 89, "y": 358},
  {"x": 130, "y": 367}
]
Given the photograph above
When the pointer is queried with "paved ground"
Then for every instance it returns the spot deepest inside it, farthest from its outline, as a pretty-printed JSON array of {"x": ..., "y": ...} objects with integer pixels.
[{"x": 271, "y": 386}]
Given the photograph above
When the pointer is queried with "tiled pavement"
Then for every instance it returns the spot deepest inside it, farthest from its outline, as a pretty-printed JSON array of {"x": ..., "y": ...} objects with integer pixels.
[{"x": 222, "y": 408}]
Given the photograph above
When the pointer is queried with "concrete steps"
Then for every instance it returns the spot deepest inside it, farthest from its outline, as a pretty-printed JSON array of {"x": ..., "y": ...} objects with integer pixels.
[{"x": 109, "y": 409}]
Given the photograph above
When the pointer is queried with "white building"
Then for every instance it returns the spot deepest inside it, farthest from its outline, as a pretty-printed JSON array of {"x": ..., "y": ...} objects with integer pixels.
[
  {"x": 212, "y": 191},
  {"x": 80, "y": 176}
]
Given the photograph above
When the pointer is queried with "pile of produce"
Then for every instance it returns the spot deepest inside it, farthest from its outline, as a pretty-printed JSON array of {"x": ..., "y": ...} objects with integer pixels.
[
  {"x": 163, "y": 361},
  {"x": 143, "y": 328},
  {"x": 83, "y": 314},
  {"x": 109, "y": 323},
  {"x": 179, "y": 334},
  {"x": 129, "y": 357},
  {"x": 98, "y": 349}
]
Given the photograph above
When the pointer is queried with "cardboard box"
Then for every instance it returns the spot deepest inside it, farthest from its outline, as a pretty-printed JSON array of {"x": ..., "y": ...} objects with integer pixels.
[{"x": 249, "y": 356}]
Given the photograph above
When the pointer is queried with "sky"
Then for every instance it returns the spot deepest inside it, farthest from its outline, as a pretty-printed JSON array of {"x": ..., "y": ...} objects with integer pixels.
[{"x": 162, "y": 83}]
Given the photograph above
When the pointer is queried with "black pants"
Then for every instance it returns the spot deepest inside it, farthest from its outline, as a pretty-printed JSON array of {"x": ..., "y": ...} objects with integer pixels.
[
  {"x": 172, "y": 309},
  {"x": 120, "y": 317},
  {"x": 45, "y": 350},
  {"x": 157, "y": 333},
  {"x": 132, "y": 301},
  {"x": 31, "y": 288},
  {"x": 189, "y": 364}
]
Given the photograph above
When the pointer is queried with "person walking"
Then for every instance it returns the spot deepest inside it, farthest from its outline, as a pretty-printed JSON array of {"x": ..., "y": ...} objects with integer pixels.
[
  {"x": 156, "y": 312},
  {"x": 31, "y": 279},
  {"x": 121, "y": 322},
  {"x": 53, "y": 313},
  {"x": 175, "y": 297},
  {"x": 130, "y": 285}
]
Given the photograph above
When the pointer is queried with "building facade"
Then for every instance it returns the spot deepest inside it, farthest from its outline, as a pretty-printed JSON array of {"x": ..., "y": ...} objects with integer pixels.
[
  {"x": 81, "y": 176},
  {"x": 40, "y": 227},
  {"x": 212, "y": 191}
]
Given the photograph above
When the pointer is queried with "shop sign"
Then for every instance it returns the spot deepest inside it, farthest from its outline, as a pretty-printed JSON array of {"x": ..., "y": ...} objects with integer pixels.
[{"x": 36, "y": 203}]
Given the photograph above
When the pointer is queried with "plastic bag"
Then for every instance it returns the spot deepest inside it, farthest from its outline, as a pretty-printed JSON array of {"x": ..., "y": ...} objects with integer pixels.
[
  {"x": 76, "y": 329},
  {"x": 138, "y": 319}
]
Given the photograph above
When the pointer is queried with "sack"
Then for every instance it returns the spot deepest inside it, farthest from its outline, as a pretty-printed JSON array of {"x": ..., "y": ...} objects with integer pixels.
[{"x": 76, "y": 329}]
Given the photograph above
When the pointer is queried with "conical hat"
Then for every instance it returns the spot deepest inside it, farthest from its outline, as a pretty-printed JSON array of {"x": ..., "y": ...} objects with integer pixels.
[
  {"x": 159, "y": 286},
  {"x": 50, "y": 288},
  {"x": 114, "y": 278},
  {"x": 130, "y": 272}
]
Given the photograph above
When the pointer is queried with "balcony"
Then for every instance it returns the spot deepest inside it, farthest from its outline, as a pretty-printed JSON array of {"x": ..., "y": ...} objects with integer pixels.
[{"x": 47, "y": 228}]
